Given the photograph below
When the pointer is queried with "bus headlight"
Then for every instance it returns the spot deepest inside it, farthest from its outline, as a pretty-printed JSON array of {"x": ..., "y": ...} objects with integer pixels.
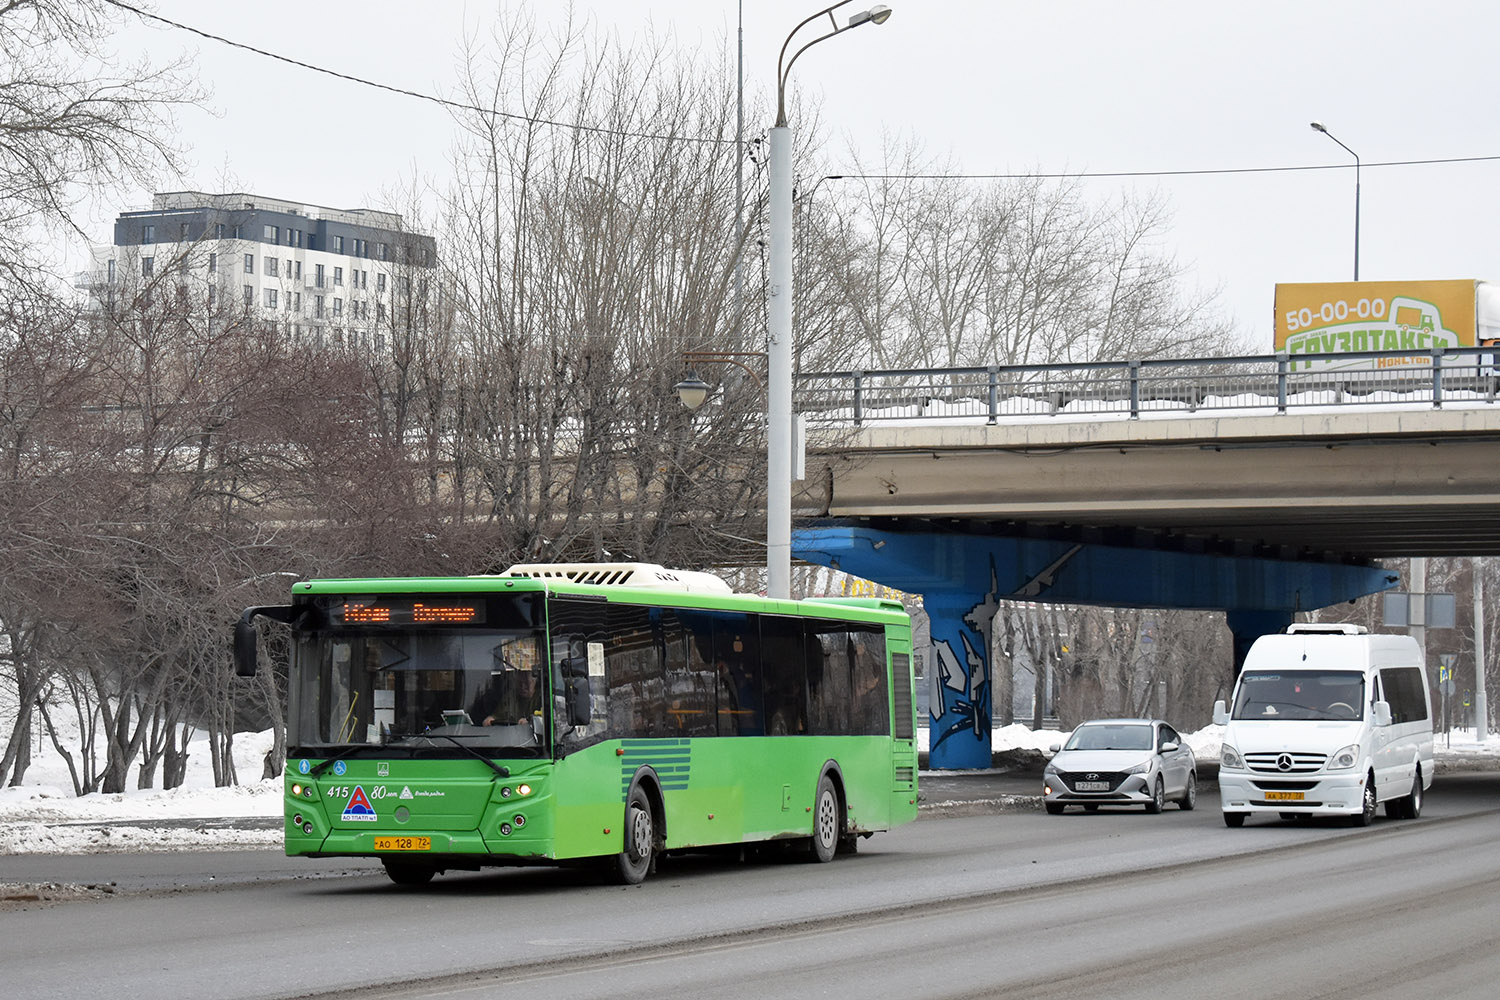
[
  {"x": 1229, "y": 759},
  {"x": 1342, "y": 760}
]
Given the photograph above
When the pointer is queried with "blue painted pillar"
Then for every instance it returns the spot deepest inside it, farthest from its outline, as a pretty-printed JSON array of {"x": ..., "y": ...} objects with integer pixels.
[{"x": 958, "y": 734}]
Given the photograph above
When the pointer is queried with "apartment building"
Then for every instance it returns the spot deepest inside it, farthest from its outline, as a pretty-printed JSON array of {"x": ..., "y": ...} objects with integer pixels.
[{"x": 325, "y": 274}]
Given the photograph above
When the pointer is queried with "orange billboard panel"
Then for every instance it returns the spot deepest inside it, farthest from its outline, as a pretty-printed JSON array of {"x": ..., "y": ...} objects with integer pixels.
[{"x": 1352, "y": 316}]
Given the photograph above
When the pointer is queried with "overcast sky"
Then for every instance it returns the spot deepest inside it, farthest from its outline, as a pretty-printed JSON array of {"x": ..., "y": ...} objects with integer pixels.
[{"x": 995, "y": 86}]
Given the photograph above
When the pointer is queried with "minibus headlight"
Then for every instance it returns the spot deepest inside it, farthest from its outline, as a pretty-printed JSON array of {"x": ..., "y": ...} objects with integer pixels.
[
  {"x": 1342, "y": 760},
  {"x": 1229, "y": 759}
]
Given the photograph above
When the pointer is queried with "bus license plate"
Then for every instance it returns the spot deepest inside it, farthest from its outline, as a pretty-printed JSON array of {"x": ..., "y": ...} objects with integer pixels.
[
  {"x": 1284, "y": 796},
  {"x": 1091, "y": 786},
  {"x": 403, "y": 843}
]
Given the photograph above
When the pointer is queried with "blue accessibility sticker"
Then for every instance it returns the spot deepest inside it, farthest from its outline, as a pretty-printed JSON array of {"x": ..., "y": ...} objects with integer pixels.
[{"x": 338, "y": 767}]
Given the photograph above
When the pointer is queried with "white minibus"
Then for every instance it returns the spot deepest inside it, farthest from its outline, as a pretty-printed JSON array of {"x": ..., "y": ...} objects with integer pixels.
[{"x": 1327, "y": 720}]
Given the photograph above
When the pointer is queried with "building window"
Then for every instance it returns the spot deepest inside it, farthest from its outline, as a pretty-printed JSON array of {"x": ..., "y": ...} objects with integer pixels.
[
  {"x": 288, "y": 271},
  {"x": 182, "y": 232},
  {"x": 338, "y": 244},
  {"x": 380, "y": 312},
  {"x": 249, "y": 296},
  {"x": 338, "y": 276},
  {"x": 148, "y": 234},
  {"x": 379, "y": 341},
  {"x": 385, "y": 251},
  {"x": 212, "y": 295},
  {"x": 273, "y": 267},
  {"x": 317, "y": 307},
  {"x": 273, "y": 234},
  {"x": 318, "y": 280},
  {"x": 111, "y": 268},
  {"x": 380, "y": 281},
  {"x": 218, "y": 230},
  {"x": 249, "y": 263},
  {"x": 338, "y": 307},
  {"x": 148, "y": 265},
  {"x": 237, "y": 231},
  {"x": 299, "y": 270},
  {"x": 295, "y": 303},
  {"x": 299, "y": 238},
  {"x": 213, "y": 263},
  {"x": 425, "y": 258},
  {"x": 364, "y": 279},
  {"x": 270, "y": 298}
]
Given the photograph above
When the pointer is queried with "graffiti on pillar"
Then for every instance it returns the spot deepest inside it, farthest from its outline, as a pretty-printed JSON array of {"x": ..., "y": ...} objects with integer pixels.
[
  {"x": 962, "y": 645},
  {"x": 1033, "y": 588}
]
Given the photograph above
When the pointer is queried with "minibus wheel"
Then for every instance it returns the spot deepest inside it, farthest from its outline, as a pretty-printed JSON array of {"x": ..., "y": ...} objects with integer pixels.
[{"x": 1366, "y": 814}]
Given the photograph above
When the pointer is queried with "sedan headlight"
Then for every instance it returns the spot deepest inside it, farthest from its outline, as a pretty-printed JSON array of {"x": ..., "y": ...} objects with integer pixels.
[
  {"x": 1144, "y": 767},
  {"x": 1050, "y": 770},
  {"x": 1342, "y": 760},
  {"x": 1229, "y": 759}
]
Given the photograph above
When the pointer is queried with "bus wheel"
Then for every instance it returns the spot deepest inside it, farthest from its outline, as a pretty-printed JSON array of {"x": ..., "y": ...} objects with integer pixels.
[
  {"x": 826, "y": 826},
  {"x": 406, "y": 873},
  {"x": 636, "y": 861}
]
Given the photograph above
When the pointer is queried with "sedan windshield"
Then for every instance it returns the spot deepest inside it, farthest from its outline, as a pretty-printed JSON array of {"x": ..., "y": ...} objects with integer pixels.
[{"x": 1110, "y": 736}]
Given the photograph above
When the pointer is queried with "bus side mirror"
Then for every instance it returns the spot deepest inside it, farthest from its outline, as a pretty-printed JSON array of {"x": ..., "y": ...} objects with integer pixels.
[
  {"x": 1221, "y": 714},
  {"x": 244, "y": 649},
  {"x": 580, "y": 710},
  {"x": 1382, "y": 713}
]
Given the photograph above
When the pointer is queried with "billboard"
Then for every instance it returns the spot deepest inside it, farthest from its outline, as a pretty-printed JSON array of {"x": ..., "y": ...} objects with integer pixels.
[{"x": 1415, "y": 316}]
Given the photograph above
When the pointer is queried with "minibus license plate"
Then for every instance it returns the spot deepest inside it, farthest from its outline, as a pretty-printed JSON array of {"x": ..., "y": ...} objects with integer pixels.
[
  {"x": 1284, "y": 796},
  {"x": 1091, "y": 786},
  {"x": 403, "y": 843}
]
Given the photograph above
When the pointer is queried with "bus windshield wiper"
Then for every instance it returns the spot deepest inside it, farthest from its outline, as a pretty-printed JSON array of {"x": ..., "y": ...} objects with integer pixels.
[{"x": 500, "y": 770}]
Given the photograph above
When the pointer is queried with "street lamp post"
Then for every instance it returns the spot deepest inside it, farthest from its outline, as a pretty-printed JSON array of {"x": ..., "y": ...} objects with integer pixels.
[
  {"x": 1318, "y": 127},
  {"x": 779, "y": 332}
]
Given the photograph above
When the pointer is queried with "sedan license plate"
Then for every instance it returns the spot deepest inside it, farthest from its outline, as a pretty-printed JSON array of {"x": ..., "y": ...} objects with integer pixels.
[
  {"x": 1091, "y": 786},
  {"x": 403, "y": 843},
  {"x": 1284, "y": 796}
]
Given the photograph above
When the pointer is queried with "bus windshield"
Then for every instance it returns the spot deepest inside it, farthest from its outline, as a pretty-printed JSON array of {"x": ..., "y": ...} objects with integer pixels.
[
  {"x": 482, "y": 688},
  {"x": 1300, "y": 695}
]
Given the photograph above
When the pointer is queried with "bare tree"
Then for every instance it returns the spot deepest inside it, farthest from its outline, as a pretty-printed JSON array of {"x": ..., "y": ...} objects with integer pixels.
[{"x": 72, "y": 120}]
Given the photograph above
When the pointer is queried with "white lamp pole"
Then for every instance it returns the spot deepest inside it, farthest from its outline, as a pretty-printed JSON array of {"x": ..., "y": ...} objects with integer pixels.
[{"x": 779, "y": 332}]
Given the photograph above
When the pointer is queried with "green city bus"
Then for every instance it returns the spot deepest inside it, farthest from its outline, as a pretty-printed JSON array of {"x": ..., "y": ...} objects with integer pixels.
[{"x": 586, "y": 711}]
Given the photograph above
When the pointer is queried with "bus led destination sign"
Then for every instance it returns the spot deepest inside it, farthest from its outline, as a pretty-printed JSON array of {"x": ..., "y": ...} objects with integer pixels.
[{"x": 407, "y": 611}]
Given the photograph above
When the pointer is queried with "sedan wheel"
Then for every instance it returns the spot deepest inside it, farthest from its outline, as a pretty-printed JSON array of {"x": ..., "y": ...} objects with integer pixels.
[
  {"x": 1190, "y": 797},
  {"x": 1158, "y": 797}
]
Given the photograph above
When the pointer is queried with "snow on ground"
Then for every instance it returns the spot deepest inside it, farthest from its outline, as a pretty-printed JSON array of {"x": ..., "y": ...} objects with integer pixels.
[{"x": 43, "y": 815}]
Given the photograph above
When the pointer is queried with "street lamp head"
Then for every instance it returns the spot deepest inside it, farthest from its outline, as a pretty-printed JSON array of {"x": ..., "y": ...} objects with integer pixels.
[
  {"x": 877, "y": 14},
  {"x": 692, "y": 391},
  {"x": 1317, "y": 127}
]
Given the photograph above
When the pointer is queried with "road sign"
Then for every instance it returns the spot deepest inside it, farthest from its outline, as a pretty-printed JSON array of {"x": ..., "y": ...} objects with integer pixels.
[
  {"x": 1445, "y": 675},
  {"x": 1466, "y": 698}
]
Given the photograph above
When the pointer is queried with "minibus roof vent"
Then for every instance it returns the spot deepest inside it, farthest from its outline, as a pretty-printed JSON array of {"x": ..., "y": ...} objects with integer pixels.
[
  {"x": 1325, "y": 628},
  {"x": 644, "y": 576}
]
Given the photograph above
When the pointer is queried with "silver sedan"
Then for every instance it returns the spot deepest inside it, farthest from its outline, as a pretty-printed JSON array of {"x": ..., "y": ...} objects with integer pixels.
[{"x": 1121, "y": 762}]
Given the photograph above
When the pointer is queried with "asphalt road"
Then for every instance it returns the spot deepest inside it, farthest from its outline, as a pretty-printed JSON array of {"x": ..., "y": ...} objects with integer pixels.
[{"x": 1017, "y": 902}]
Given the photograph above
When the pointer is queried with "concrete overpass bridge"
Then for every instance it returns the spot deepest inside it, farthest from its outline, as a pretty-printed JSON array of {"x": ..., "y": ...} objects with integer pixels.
[{"x": 1260, "y": 486}]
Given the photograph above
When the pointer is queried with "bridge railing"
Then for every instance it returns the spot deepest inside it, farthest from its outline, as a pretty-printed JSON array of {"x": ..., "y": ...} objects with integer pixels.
[{"x": 1273, "y": 383}]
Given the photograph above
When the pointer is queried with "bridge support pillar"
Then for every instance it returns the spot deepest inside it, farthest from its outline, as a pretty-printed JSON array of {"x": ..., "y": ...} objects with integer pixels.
[{"x": 960, "y": 678}]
